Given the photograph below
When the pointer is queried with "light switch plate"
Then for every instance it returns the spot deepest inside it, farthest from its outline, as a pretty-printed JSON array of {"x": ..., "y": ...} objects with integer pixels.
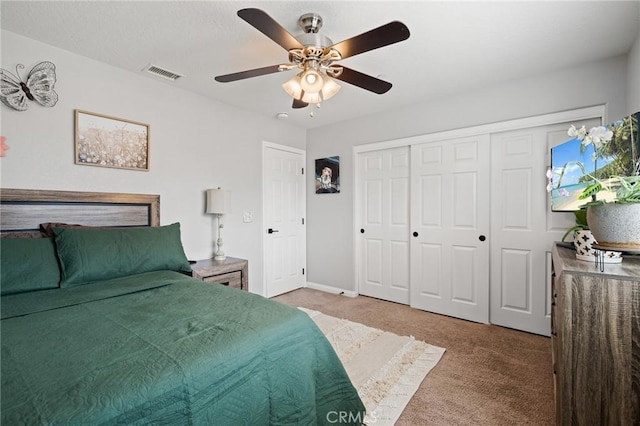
[{"x": 247, "y": 217}]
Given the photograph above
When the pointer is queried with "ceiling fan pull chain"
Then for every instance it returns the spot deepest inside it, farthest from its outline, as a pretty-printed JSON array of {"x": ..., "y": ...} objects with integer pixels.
[{"x": 317, "y": 107}]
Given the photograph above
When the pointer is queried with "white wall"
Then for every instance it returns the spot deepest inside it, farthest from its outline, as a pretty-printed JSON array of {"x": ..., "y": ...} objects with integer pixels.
[
  {"x": 331, "y": 231},
  {"x": 195, "y": 144}
]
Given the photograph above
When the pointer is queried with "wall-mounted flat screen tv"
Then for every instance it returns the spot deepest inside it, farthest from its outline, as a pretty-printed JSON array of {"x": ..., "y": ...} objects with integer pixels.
[{"x": 618, "y": 157}]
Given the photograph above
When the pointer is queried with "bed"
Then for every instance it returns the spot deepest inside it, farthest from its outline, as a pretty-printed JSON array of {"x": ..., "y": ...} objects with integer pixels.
[{"x": 102, "y": 323}]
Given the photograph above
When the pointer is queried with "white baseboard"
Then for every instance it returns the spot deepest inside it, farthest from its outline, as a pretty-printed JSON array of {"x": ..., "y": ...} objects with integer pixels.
[{"x": 333, "y": 290}]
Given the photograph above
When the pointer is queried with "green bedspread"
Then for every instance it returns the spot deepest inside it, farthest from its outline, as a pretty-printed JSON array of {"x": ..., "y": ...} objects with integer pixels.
[{"x": 162, "y": 348}]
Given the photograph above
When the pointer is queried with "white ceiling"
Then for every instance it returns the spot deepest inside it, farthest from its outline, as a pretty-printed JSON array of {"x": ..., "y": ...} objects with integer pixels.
[{"x": 453, "y": 47}]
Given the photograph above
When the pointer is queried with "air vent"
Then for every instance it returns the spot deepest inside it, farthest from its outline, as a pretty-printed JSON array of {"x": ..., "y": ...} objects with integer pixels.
[{"x": 161, "y": 72}]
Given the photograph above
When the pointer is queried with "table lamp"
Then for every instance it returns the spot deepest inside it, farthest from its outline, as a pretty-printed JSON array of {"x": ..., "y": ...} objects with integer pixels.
[{"x": 218, "y": 204}]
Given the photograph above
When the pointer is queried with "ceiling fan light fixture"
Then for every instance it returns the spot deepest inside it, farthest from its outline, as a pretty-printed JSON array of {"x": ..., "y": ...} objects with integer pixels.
[
  {"x": 293, "y": 87},
  {"x": 330, "y": 88},
  {"x": 311, "y": 97},
  {"x": 311, "y": 81}
]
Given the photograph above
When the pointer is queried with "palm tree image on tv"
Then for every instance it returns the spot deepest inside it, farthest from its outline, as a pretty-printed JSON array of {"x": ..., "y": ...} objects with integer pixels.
[
  {"x": 581, "y": 162},
  {"x": 623, "y": 148}
]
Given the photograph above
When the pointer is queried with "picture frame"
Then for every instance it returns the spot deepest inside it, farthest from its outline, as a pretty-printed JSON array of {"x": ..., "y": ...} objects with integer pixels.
[
  {"x": 105, "y": 141},
  {"x": 328, "y": 175}
]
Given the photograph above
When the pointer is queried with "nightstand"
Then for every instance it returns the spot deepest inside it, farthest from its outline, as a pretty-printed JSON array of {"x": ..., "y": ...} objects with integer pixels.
[{"x": 232, "y": 272}]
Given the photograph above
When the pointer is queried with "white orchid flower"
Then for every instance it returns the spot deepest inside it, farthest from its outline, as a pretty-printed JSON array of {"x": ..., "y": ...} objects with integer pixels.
[
  {"x": 598, "y": 136},
  {"x": 549, "y": 180},
  {"x": 601, "y": 134},
  {"x": 577, "y": 133}
]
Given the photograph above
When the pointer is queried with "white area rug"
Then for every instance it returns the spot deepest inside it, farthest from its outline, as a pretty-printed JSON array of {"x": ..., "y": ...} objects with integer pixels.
[{"x": 385, "y": 368}]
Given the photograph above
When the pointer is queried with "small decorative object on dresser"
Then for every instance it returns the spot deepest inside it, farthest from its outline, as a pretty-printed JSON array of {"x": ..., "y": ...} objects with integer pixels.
[
  {"x": 583, "y": 241},
  {"x": 232, "y": 272}
]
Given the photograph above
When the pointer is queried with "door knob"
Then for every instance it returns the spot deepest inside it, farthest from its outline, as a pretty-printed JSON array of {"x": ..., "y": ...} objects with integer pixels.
[
  {"x": 482, "y": 238},
  {"x": 415, "y": 234},
  {"x": 271, "y": 230},
  {"x": 362, "y": 230}
]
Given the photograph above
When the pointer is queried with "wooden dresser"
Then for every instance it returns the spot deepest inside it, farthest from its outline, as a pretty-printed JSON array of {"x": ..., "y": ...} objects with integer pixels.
[{"x": 595, "y": 336}]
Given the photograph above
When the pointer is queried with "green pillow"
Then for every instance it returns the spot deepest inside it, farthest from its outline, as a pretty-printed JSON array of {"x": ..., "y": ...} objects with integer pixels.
[
  {"x": 95, "y": 254},
  {"x": 28, "y": 264}
]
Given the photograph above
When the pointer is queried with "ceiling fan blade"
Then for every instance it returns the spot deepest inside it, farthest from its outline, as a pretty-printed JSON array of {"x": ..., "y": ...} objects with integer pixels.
[
  {"x": 385, "y": 35},
  {"x": 364, "y": 81},
  {"x": 297, "y": 103},
  {"x": 247, "y": 74},
  {"x": 269, "y": 27}
]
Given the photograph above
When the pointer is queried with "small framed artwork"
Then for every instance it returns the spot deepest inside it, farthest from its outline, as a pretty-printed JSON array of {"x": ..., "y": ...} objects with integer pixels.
[
  {"x": 111, "y": 142},
  {"x": 328, "y": 175}
]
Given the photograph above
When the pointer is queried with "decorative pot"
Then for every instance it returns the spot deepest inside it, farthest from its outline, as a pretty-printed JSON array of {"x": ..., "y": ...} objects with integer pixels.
[
  {"x": 583, "y": 241},
  {"x": 615, "y": 226}
]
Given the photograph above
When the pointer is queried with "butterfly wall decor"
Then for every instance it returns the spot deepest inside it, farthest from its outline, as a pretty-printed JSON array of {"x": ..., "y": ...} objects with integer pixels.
[{"x": 37, "y": 87}]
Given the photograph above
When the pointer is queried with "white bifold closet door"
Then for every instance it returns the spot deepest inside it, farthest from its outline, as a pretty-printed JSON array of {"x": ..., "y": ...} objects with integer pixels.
[
  {"x": 424, "y": 223},
  {"x": 383, "y": 198},
  {"x": 462, "y": 226},
  {"x": 523, "y": 228},
  {"x": 450, "y": 227},
  {"x": 518, "y": 221}
]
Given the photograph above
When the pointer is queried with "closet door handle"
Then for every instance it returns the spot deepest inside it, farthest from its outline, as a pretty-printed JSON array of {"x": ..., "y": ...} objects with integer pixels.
[
  {"x": 415, "y": 234},
  {"x": 482, "y": 238},
  {"x": 271, "y": 230},
  {"x": 362, "y": 230}
]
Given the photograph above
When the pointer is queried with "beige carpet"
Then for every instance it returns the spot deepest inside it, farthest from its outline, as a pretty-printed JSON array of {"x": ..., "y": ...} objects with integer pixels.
[
  {"x": 489, "y": 375},
  {"x": 385, "y": 368}
]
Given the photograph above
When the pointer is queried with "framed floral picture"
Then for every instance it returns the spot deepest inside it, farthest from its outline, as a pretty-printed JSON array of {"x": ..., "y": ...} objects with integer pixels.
[
  {"x": 328, "y": 175},
  {"x": 106, "y": 141}
]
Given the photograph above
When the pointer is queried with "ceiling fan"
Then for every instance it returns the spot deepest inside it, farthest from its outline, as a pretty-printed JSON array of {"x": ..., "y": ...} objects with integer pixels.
[{"x": 315, "y": 56}]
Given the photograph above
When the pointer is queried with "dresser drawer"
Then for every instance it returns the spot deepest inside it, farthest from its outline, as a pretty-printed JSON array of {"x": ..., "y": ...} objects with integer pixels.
[
  {"x": 232, "y": 279},
  {"x": 232, "y": 272}
]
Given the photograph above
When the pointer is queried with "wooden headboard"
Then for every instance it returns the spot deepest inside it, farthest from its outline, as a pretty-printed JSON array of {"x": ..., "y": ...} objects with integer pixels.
[{"x": 24, "y": 210}]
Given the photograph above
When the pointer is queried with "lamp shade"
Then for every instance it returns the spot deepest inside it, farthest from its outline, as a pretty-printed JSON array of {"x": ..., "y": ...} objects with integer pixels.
[
  {"x": 218, "y": 201},
  {"x": 311, "y": 81},
  {"x": 292, "y": 87},
  {"x": 330, "y": 88},
  {"x": 311, "y": 98}
]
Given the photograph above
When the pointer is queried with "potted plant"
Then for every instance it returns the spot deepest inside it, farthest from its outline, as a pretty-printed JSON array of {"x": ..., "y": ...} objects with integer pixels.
[
  {"x": 613, "y": 193},
  {"x": 583, "y": 240},
  {"x": 581, "y": 223}
]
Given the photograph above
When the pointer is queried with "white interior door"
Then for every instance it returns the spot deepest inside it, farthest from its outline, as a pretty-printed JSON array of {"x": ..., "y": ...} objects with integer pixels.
[
  {"x": 523, "y": 228},
  {"x": 284, "y": 213},
  {"x": 450, "y": 226},
  {"x": 383, "y": 197}
]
